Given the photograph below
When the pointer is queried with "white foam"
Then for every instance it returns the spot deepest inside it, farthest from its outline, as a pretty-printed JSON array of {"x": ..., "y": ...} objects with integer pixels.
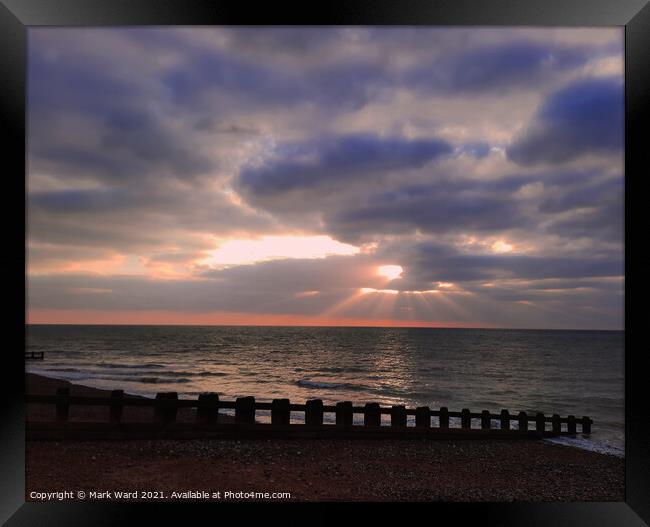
[{"x": 587, "y": 444}]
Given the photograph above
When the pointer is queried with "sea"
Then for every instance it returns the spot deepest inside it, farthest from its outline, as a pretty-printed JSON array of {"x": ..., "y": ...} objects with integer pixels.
[{"x": 551, "y": 371}]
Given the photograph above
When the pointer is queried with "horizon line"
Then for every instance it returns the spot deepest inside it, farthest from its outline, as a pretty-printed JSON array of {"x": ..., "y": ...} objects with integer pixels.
[{"x": 320, "y": 326}]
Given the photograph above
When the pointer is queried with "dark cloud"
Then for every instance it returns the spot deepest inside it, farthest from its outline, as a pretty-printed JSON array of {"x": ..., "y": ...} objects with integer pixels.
[
  {"x": 291, "y": 66},
  {"x": 511, "y": 64},
  {"x": 603, "y": 221},
  {"x": 456, "y": 205},
  {"x": 587, "y": 192},
  {"x": 316, "y": 163},
  {"x": 502, "y": 66},
  {"x": 584, "y": 117},
  {"x": 434, "y": 262},
  {"x": 137, "y": 219},
  {"x": 71, "y": 201},
  {"x": 289, "y": 41},
  {"x": 442, "y": 207},
  {"x": 131, "y": 146},
  {"x": 345, "y": 84}
]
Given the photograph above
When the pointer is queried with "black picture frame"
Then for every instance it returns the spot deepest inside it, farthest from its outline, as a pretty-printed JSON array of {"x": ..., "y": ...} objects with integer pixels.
[{"x": 16, "y": 16}]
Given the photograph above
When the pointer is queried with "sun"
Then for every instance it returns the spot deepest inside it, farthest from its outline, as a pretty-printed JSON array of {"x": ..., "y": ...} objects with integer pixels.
[{"x": 390, "y": 271}]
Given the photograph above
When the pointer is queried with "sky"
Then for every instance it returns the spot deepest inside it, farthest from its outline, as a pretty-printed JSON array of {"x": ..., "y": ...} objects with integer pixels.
[{"x": 407, "y": 176}]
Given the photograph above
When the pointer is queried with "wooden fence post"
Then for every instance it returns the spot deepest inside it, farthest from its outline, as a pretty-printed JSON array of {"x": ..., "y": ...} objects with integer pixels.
[
  {"x": 485, "y": 420},
  {"x": 465, "y": 419},
  {"x": 505, "y": 420},
  {"x": 444, "y": 417},
  {"x": 571, "y": 424},
  {"x": 245, "y": 410},
  {"x": 372, "y": 415},
  {"x": 344, "y": 413},
  {"x": 423, "y": 417},
  {"x": 523, "y": 421},
  {"x": 586, "y": 425},
  {"x": 165, "y": 409},
  {"x": 116, "y": 407},
  {"x": 557, "y": 425},
  {"x": 208, "y": 408},
  {"x": 280, "y": 412},
  {"x": 63, "y": 404},
  {"x": 540, "y": 423},
  {"x": 314, "y": 412},
  {"x": 398, "y": 416}
]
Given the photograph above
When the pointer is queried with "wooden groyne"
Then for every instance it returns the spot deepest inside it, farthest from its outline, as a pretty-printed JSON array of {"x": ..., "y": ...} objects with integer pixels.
[
  {"x": 210, "y": 423},
  {"x": 34, "y": 355}
]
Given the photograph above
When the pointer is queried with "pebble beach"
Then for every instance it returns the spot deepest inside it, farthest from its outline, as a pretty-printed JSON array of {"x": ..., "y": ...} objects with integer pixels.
[{"x": 320, "y": 469}]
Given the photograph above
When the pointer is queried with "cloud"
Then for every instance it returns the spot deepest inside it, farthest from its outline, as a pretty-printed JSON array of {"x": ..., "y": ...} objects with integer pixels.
[
  {"x": 315, "y": 163},
  {"x": 503, "y": 66},
  {"x": 149, "y": 148},
  {"x": 582, "y": 118},
  {"x": 445, "y": 205},
  {"x": 434, "y": 262},
  {"x": 319, "y": 288},
  {"x": 478, "y": 149}
]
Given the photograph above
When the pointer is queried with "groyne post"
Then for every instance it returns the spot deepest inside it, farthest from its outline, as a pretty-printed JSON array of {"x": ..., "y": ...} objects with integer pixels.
[
  {"x": 557, "y": 424},
  {"x": 280, "y": 412},
  {"x": 245, "y": 410},
  {"x": 398, "y": 416},
  {"x": 423, "y": 417},
  {"x": 444, "y": 417},
  {"x": 314, "y": 412},
  {"x": 166, "y": 407},
  {"x": 372, "y": 415},
  {"x": 540, "y": 422},
  {"x": 485, "y": 420},
  {"x": 571, "y": 424},
  {"x": 523, "y": 421},
  {"x": 465, "y": 419},
  {"x": 207, "y": 410},
  {"x": 344, "y": 413},
  {"x": 505, "y": 420}
]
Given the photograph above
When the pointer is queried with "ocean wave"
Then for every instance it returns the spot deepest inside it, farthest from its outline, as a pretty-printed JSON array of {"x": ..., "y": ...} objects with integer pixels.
[
  {"x": 340, "y": 369},
  {"x": 130, "y": 366},
  {"x": 144, "y": 380},
  {"x": 158, "y": 380},
  {"x": 305, "y": 383},
  {"x": 115, "y": 374},
  {"x": 587, "y": 444},
  {"x": 333, "y": 370},
  {"x": 314, "y": 384}
]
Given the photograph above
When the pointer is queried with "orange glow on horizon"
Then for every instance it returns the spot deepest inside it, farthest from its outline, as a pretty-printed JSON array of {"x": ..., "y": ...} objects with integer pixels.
[{"x": 152, "y": 317}]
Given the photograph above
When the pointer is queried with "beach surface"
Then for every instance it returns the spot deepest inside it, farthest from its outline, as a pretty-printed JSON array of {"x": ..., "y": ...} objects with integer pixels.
[{"x": 317, "y": 470}]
